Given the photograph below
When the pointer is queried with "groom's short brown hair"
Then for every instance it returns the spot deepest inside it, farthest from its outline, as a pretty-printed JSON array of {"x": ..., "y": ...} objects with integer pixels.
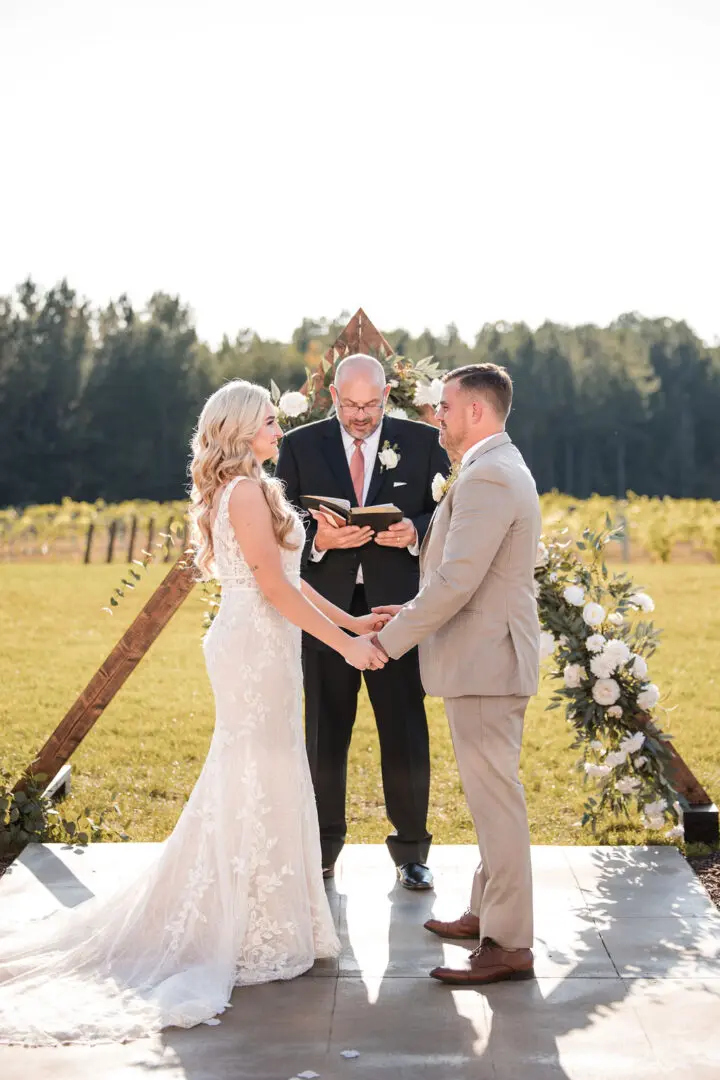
[{"x": 490, "y": 380}]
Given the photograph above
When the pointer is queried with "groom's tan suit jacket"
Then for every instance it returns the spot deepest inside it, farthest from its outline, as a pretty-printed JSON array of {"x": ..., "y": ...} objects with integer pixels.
[{"x": 475, "y": 617}]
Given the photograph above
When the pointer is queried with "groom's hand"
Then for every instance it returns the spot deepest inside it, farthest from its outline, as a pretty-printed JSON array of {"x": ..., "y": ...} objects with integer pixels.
[
  {"x": 388, "y": 609},
  {"x": 402, "y": 534}
]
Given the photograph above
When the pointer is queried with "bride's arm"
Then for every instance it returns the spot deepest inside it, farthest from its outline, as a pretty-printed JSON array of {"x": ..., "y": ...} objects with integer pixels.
[
  {"x": 252, "y": 523},
  {"x": 364, "y": 624}
]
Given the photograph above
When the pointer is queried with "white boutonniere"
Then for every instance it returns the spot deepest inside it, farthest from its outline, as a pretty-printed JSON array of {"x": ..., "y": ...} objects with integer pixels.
[
  {"x": 442, "y": 484},
  {"x": 389, "y": 456}
]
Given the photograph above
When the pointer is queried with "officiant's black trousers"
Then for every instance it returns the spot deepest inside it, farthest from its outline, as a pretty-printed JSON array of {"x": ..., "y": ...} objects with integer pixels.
[{"x": 397, "y": 698}]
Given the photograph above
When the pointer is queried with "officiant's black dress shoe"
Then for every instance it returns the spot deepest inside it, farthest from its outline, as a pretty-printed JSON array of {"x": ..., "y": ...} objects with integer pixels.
[{"x": 413, "y": 875}]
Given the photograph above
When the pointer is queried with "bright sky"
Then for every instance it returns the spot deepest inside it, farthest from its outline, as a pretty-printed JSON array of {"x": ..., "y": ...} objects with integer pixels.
[{"x": 430, "y": 160}]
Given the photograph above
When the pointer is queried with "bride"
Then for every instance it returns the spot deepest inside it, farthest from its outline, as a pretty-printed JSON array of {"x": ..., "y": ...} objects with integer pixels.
[{"x": 235, "y": 896}]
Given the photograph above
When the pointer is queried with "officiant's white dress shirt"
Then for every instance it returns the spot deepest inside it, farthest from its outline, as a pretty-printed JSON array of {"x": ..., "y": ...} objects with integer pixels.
[{"x": 369, "y": 448}]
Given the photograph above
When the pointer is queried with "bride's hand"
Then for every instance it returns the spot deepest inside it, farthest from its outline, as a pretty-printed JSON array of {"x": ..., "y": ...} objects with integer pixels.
[
  {"x": 362, "y": 654},
  {"x": 369, "y": 624}
]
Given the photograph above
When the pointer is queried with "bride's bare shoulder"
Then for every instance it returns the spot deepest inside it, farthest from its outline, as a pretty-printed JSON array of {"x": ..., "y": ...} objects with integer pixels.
[{"x": 246, "y": 495}]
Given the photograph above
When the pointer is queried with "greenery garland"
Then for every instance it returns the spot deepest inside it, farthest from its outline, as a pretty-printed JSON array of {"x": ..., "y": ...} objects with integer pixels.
[{"x": 601, "y": 650}]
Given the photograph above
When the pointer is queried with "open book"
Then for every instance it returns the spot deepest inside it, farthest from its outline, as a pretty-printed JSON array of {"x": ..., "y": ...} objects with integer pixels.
[{"x": 339, "y": 512}]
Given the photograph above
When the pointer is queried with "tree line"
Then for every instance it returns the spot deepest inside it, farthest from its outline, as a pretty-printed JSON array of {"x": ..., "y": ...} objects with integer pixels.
[{"x": 101, "y": 403}]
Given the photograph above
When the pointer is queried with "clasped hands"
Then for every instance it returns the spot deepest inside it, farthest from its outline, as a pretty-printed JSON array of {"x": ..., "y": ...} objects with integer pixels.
[
  {"x": 364, "y": 651},
  {"x": 401, "y": 535}
]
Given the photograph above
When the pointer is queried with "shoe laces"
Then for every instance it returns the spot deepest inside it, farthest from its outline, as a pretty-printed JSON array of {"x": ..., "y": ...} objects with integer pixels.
[{"x": 486, "y": 945}]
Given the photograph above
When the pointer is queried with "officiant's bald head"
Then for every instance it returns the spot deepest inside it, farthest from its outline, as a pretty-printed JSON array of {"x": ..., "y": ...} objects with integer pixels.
[{"x": 359, "y": 392}]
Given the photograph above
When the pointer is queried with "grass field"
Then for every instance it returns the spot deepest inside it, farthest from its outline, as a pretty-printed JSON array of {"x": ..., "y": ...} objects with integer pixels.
[{"x": 149, "y": 745}]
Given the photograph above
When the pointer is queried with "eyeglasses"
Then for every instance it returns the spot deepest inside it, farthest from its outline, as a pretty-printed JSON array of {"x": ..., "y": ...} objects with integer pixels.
[{"x": 356, "y": 410}]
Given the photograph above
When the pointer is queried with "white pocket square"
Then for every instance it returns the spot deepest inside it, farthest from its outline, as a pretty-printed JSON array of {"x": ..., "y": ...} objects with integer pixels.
[{"x": 400, "y": 483}]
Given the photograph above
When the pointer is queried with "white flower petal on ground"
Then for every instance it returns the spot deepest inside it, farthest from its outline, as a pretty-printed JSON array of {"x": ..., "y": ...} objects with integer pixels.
[
  {"x": 606, "y": 691},
  {"x": 648, "y": 696},
  {"x": 547, "y": 644},
  {"x": 615, "y": 758},
  {"x": 573, "y": 675},
  {"x": 639, "y": 667},
  {"x": 628, "y": 785},
  {"x": 350, "y": 1053},
  {"x": 593, "y": 614},
  {"x": 574, "y": 594},
  {"x": 596, "y": 770},
  {"x": 632, "y": 743},
  {"x": 293, "y": 403},
  {"x": 615, "y": 712},
  {"x": 643, "y": 601},
  {"x": 595, "y": 643}
]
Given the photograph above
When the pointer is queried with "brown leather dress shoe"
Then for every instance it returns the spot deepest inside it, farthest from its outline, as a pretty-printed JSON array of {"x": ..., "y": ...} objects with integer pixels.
[
  {"x": 489, "y": 963},
  {"x": 466, "y": 928}
]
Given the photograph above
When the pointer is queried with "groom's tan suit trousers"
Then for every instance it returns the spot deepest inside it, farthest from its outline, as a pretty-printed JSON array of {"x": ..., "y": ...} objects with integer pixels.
[{"x": 475, "y": 621}]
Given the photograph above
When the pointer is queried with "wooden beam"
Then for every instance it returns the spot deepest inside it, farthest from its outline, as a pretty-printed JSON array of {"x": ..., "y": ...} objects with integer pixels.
[{"x": 111, "y": 675}]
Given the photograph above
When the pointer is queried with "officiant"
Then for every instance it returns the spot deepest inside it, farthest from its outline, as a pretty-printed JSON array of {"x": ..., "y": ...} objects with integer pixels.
[{"x": 369, "y": 458}]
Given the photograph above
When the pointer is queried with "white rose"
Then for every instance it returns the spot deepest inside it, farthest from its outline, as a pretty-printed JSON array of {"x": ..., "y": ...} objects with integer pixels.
[
  {"x": 653, "y": 809},
  {"x": 602, "y": 666},
  {"x": 438, "y": 486},
  {"x": 596, "y": 770},
  {"x": 616, "y": 618},
  {"x": 574, "y": 595},
  {"x": 293, "y": 403},
  {"x": 595, "y": 643},
  {"x": 543, "y": 555},
  {"x": 649, "y": 696},
  {"x": 606, "y": 691},
  {"x": 593, "y": 614},
  {"x": 639, "y": 761},
  {"x": 615, "y": 711},
  {"x": 573, "y": 675},
  {"x": 632, "y": 743},
  {"x": 676, "y": 833},
  {"x": 615, "y": 758},
  {"x": 547, "y": 644},
  {"x": 628, "y": 785},
  {"x": 397, "y": 413},
  {"x": 389, "y": 458},
  {"x": 639, "y": 667},
  {"x": 617, "y": 651},
  {"x": 643, "y": 601},
  {"x": 428, "y": 393},
  {"x": 655, "y": 822}
]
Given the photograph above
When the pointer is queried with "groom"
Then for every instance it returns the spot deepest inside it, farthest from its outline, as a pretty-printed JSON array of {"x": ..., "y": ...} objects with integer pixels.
[{"x": 475, "y": 619}]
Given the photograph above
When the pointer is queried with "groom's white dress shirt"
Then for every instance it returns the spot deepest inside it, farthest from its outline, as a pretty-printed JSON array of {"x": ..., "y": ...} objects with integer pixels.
[
  {"x": 370, "y": 448},
  {"x": 476, "y": 446}
]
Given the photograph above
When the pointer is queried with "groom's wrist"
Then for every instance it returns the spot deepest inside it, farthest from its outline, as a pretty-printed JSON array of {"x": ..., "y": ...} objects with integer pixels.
[{"x": 375, "y": 640}]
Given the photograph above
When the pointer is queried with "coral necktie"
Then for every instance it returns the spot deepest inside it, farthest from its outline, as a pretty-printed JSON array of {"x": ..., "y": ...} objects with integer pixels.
[{"x": 357, "y": 471}]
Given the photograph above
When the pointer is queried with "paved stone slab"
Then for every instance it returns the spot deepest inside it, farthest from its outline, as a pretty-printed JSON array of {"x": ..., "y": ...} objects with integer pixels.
[{"x": 627, "y": 958}]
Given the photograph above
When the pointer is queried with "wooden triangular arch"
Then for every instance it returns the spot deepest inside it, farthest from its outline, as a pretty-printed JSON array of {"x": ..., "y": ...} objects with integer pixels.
[{"x": 358, "y": 336}]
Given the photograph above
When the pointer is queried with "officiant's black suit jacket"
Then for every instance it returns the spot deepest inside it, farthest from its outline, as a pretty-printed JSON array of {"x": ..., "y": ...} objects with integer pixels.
[{"x": 313, "y": 462}]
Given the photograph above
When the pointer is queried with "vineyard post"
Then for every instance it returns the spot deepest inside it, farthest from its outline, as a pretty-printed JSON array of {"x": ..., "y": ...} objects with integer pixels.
[
  {"x": 112, "y": 531},
  {"x": 150, "y": 534},
  {"x": 88, "y": 542},
  {"x": 131, "y": 541},
  {"x": 169, "y": 541}
]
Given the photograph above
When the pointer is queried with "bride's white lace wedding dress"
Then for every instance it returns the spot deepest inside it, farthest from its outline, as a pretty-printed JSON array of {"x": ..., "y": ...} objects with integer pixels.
[{"x": 236, "y": 895}]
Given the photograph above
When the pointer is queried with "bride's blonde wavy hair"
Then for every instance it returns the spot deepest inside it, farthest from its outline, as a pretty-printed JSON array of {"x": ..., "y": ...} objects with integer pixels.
[{"x": 221, "y": 446}]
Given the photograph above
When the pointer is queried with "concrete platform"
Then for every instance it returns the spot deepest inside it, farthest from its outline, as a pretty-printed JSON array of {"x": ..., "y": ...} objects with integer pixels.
[{"x": 627, "y": 962}]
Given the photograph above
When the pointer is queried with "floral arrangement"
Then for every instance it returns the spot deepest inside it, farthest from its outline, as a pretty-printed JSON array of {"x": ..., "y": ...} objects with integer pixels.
[
  {"x": 590, "y": 626},
  {"x": 415, "y": 389}
]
